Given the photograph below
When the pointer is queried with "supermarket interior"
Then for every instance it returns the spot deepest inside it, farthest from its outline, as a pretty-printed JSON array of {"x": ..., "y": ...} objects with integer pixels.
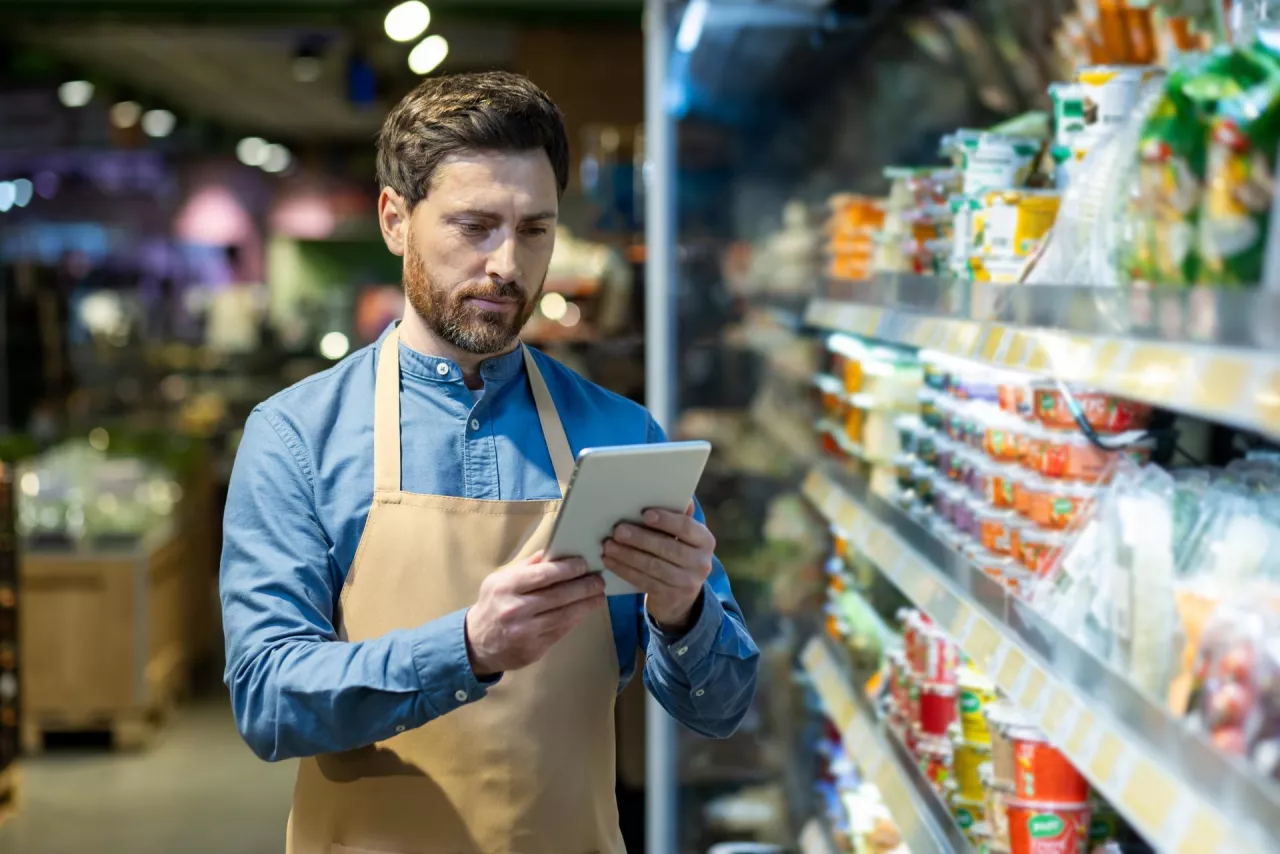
[{"x": 992, "y": 391}]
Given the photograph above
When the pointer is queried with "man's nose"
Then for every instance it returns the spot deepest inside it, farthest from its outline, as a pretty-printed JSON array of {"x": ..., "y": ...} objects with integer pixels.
[{"x": 503, "y": 264}]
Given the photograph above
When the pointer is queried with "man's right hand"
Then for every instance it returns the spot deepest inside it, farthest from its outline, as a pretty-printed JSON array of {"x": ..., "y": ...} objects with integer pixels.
[{"x": 524, "y": 608}]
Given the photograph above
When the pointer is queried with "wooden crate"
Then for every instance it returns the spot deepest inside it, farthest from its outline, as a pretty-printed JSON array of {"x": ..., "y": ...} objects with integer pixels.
[{"x": 104, "y": 640}]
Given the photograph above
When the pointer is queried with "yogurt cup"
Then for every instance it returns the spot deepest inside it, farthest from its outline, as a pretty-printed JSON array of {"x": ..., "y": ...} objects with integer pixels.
[
  {"x": 994, "y": 529},
  {"x": 1048, "y": 828},
  {"x": 976, "y": 693},
  {"x": 995, "y": 162},
  {"x": 1044, "y": 775}
]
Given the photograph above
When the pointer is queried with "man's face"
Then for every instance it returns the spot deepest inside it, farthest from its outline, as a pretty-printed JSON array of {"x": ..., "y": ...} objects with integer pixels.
[{"x": 478, "y": 246}]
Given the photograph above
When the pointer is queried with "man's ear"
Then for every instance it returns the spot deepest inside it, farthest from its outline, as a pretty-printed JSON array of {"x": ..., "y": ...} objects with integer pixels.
[{"x": 393, "y": 220}]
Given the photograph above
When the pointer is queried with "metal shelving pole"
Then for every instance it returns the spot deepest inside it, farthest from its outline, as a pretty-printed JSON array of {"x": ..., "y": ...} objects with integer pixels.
[{"x": 661, "y": 803}]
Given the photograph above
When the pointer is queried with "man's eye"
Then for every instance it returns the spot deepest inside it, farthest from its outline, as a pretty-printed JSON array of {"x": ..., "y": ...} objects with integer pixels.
[
  {"x": 536, "y": 231},
  {"x": 472, "y": 228}
]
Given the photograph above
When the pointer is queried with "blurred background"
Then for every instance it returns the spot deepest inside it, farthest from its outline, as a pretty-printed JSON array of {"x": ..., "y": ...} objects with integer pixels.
[{"x": 187, "y": 226}]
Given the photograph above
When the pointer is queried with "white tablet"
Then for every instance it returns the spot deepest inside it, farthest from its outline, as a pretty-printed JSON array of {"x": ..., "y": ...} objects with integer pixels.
[{"x": 617, "y": 484}]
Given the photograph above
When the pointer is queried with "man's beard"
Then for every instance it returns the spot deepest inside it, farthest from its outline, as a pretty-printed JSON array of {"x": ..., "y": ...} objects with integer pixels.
[{"x": 460, "y": 323}]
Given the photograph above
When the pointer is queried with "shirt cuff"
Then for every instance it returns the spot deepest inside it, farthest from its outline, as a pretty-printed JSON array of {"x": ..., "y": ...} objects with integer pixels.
[
  {"x": 689, "y": 651},
  {"x": 440, "y": 657}
]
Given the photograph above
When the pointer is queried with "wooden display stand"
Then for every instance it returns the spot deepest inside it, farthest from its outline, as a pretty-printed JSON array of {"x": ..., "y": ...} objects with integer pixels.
[{"x": 105, "y": 639}]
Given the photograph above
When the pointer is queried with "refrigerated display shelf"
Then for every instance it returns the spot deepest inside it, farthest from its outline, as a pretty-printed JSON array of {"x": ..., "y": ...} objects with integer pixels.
[
  {"x": 919, "y": 813},
  {"x": 1211, "y": 353},
  {"x": 840, "y": 437},
  {"x": 1179, "y": 792}
]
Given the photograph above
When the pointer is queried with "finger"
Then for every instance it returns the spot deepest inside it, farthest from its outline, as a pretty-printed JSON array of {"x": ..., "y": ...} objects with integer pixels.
[
  {"x": 545, "y": 574},
  {"x": 566, "y": 618},
  {"x": 567, "y": 592},
  {"x": 639, "y": 580},
  {"x": 658, "y": 544},
  {"x": 655, "y": 567},
  {"x": 682, "y": 527}
]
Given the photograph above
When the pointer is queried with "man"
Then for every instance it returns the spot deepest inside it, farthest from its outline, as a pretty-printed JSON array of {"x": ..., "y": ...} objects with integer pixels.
[{"x": 388, "y": 614}]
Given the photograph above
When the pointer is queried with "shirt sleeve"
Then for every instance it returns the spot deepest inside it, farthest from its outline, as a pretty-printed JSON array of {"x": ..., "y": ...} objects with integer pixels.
[
  {"x": 296, "y": 688},
  {"x": 707, "y": 678}
]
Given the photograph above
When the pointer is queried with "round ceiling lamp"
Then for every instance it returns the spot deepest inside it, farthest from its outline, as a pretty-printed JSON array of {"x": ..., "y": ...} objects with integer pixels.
[
  {"x": 428, "y": 54},
  {"x": 75, "y": 93},
  {"x": 407, "y": 21}
]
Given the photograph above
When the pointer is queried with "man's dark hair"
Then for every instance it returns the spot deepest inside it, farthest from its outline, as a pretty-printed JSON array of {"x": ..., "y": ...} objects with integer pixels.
[{"x": 492, "y": 111}]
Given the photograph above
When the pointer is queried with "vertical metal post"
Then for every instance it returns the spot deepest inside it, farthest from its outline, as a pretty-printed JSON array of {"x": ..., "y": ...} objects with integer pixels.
[{"x": 661, "y": 805}]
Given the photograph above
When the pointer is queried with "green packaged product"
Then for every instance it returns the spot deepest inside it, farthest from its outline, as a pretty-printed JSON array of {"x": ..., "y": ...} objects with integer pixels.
[
  {"x": 1239, "y": 186},
  {"x": 1172, "y": 155}
]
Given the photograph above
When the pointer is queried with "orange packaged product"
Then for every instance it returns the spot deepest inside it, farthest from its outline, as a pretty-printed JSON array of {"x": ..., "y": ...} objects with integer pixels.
[
  {"x": 1048, "y": 828},
  {"x": 999, "y": 437},
  {"x": 1044, "y": 775},
  {"x": 1140, "y": 26},
  {"x": 1039, "y": 549},
  {"x": 1030, "y": 442},
  {"x": 1055, "y": 505},
  {"x": 1072, "y": 456},
  {"x": 1024, "y": 488},
  {"x": 1105, "y": 413},
  {"x": 997, "y": 481},
  {"x": 1113, "y": 29},
  {"x": 851, "y": 373},
  {"x": 993, "y": 527}
]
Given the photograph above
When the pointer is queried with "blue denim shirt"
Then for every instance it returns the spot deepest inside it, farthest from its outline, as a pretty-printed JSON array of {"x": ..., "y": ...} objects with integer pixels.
[{"x": 300, "y": 491}]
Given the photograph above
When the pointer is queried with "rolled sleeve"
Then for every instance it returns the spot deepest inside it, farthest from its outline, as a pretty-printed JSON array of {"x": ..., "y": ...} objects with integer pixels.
[
  {"x": 688, "y": 652},
  {"x": 440, "y": 655}
]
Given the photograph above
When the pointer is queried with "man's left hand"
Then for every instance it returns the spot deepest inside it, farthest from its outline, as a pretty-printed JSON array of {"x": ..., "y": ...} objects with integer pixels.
[{"x": 668, "y": 559}]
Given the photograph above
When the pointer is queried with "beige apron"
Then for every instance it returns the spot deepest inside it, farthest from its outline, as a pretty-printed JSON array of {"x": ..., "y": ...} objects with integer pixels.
[{"x": 528, "y": 769}]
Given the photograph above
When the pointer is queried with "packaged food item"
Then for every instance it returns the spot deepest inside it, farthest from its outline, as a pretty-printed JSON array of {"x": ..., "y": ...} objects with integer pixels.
[
  {"x": 1240, "y": 188},
  {"x": 996, "y": 796},
  {"x": 1056, "y": 504},
  {"x": 966, "y": 518},
  {"x": 1104, "y": 413},
  {"x": 997, "y": 482},
  {"x": 1031, "y": 442},
  {"x": 976, "y": 693},
  {"x": 927, "y": 447},
  {"x": 1002, "y": 720},
  {"x": 963, "y": 246},
  {"x": 1111, "y": 93},
  {"x": 934, "y": 754},
  {"x": 1072, "y": 456},
  {"x": 999, "y": 271},
  {"x": 930, "y": 414},
  {"x": 1014, "y": 394},
  {"x": 993, "y": 523},
  {"x": 1040, "y": 548},
  {"x": 1011, "y": 223},
  {"x": 904, "y": 469},
  {"x": 1000, "y": 568},
  {"x": 967, "y": 757},
  {"x": 1023, "y": 490},
  {"x": 968, "y": 811},
  {"x": 922, "y": 477},
  {"x": 995, "y": 162},
  {"x": 1044, "y": 775},
  {"x": 1048, "y": 828},
  {"x": 999, "y": 438},
  {"x": 1172, "y": 159},
  {"x": 937, "y": 707}
]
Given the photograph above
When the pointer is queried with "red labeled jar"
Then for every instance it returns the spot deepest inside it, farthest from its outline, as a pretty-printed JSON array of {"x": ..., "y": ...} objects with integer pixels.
[
  {"x": 1044, "y": 775},
  {"x": 937, "y": 708},
  {"x": 1048, "y": 828}
]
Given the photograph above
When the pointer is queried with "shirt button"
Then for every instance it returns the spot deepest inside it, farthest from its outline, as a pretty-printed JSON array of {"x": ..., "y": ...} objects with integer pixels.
[
  {"x": 400, "y": 728},
  {"x": 699, "y": 692},
  {"x": 682, "y": 650},
  {"x": 442, "y": 369},
  {"x": 460, "y": 696},
  {"x": 475, "y": 424}
]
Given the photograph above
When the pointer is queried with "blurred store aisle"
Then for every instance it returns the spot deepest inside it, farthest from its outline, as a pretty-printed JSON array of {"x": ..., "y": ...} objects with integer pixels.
[{"x": 197, "y": 790}]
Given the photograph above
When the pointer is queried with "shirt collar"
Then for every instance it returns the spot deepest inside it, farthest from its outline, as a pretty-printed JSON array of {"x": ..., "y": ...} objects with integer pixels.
[{"x": 420, "y": 365}]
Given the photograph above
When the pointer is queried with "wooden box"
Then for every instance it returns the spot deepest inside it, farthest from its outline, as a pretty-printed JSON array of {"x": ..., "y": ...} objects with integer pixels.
[{"x": 104, "y": 639}]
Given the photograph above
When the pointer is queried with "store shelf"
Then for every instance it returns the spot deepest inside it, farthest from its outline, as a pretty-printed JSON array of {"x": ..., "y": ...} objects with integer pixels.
[
  {"x": 815, "y": 839},
  {"x": 1182, "y": 795},
  {"x": 1211, "y": 353},
  {"x": 919, "y": 813},
  {"x": 840, "y": 437}
]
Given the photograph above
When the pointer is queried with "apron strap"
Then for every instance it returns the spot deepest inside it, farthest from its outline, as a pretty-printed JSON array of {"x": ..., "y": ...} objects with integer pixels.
[
  {"x": 386, "y": 416},
  {"x": 552, "y": 428}
]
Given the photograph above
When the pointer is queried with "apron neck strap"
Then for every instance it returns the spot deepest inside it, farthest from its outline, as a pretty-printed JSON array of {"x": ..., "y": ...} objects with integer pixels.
[
  {"x": 552, "y": 428},
  {"x": 386, "y": 419}
]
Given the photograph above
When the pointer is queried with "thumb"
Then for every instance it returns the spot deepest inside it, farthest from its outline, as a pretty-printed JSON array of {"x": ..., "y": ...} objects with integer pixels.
[{"x": 688, "y": 511}]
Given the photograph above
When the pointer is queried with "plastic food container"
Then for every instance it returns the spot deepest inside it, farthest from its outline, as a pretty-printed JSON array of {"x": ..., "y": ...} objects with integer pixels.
[
  {"x": 1104, "y": 413},
  {"x": 922, "y": 477},
  {"x": 967, "y": 517},
  {"x": 966, "y": 462},
  {"x": 1044, "y": 775},
  {"x": 1014, "y": 395},
  {"x": 1000, "y": 437},
  {"x": 943, "y": 499},
  {"x": 1040, "y": 548},
  {"x": 994, "y": 162},
  {"x": 1002, "y": 719},
  {"x": 1012, "y": 223},
  {"x": 1024, "y": 487},
  {"x": 904, "y": 470},
  {"x": 930, "y": 413},
  {"x": 968, "y": 812},
  {"x": 935, "y": 759},
  {"x": 966, "y": 759},
  {"x": 937, "y": 708},
  {"x": 908, "y": 427},
  {"x": 1071, "y": 456},
  {"x": 998, "y": 567},
  {"x": 1031, "y": 442},
  {"x": 1055, "y": 504},
  {"x": 976, "y": 693},
  {"x": 927, "y": 446},
  {"x": 1048, "y": 828},
  {"x": 993, "y": 527},
  {"x": 996, "y": 796}
]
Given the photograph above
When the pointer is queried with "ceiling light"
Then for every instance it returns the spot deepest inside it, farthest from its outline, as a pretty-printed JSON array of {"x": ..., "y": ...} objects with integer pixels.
[
  {"x": 75, "y": 93},
  {"x": 554, "y": 306},
  {"x": 22, "y": 192},
  {"x": 158, "y": 123},
  {"x": 126, "y": 114},
  {"x": 428, "y": 54},
  {"x": 277, "y": 158},
  {"x": 8, "y": 195},
  {"x": 407, "y": 21},
  {"x": 252, "y": 151},
  {"x": 334, "y": 346}
]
